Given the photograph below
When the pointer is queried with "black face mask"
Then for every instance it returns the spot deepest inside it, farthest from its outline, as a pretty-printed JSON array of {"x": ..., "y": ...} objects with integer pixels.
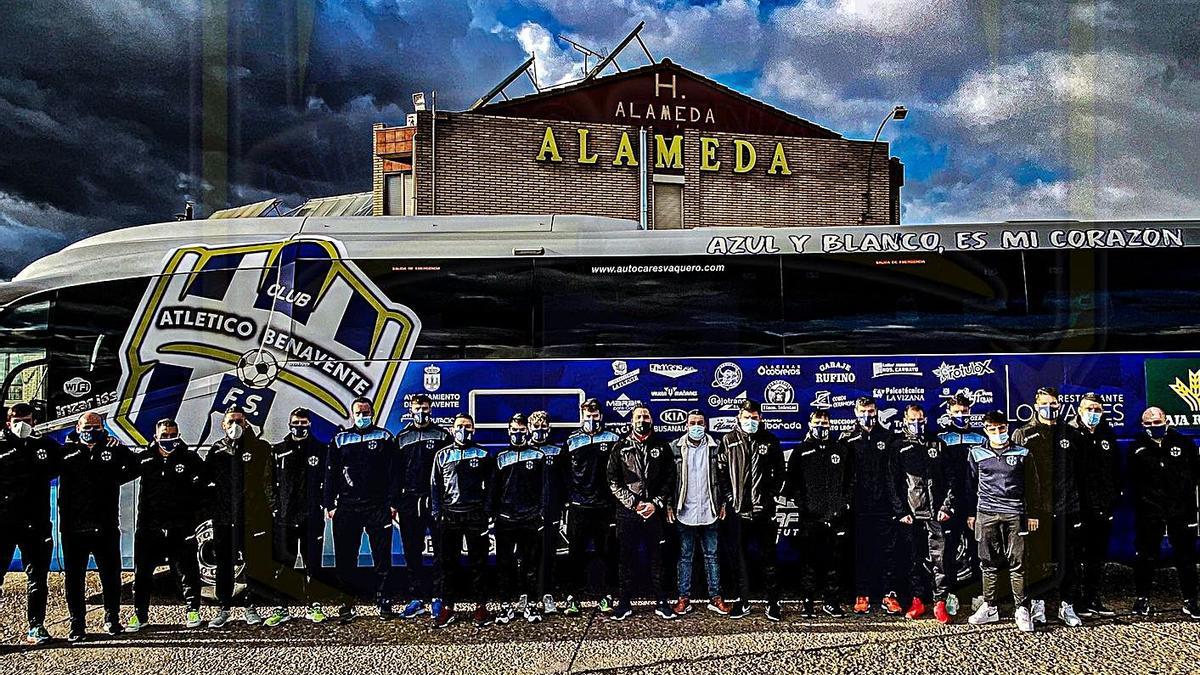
[
  {"x": 300, "y": 431},
  {"x": 643, "y": 428}
]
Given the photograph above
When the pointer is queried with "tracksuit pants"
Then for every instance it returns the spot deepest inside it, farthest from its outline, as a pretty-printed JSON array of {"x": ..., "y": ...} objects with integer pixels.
[
  {"x": 1093, "y": 549},
  {"x": 595, "y": 528},
  {"x": 152, "y": 546},
  {"x": 1001, "y": 546},
  {"x": 634, "y": 535},
  {"x": 928, "y": 574},
  {"x": 37, "y": 545},
  {"x": 876, "y": 543},
  {"x": 518, "y": 558},
  {"x": 751, "y": 544},
  {"x": 825, "y": 550},
  {"x": 306, "y": 542},
  {"x": 457, "y": 578},
  {"x": 415, "y": 522},
  {"x": 104, "y": 545},
  {"x": 348, "y": 527},
  {"x": 1147, "y": 543}
]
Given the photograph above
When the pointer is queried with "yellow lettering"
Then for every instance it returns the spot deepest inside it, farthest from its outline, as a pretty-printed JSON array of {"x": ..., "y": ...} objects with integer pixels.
[
  {"x": 779, "y": 163},
  {"x": 668, "y": 155},
  {"x": 583, "y": 154},
  {"x": 708, "y": 154},
  {"x": 743, "y": 156},
  {"x": 549, "y": 148},
  {"x": 625, "y": 156}
]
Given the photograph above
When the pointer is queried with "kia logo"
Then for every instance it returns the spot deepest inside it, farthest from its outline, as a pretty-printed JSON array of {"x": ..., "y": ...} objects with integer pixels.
[{"x": 673, "y": 416}]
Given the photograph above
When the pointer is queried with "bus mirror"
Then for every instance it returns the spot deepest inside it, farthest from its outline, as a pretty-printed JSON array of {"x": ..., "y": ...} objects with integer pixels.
[{"x": 95, "y": 352}]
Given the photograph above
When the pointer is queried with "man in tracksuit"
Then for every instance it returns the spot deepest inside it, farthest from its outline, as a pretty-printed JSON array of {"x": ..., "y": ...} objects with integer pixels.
[
  {"x": 929, "y": 505},
  {"x": 91, "y": 472},
  {"x": 28, "y": 461},
  {"x": 641, "y": 475},
  {"x": 750, "y": 535},
  {"x": 1164, "y": 471},
  {"x": 357, "y": 495},
  {"x": 519, "y": 510},
  {"x": 962, "y": 554},
  {"x": 590, "y": 506},
  {"x": 818, "y": 482},
  {"x": 701, "y": 495},
  {"x": 461, "y": 479},
  {"x": 877, "y": 509},
  {"x": 294, "y": 493},
  {"x": 169, "y": 490},
  {"x": 1097, "y": 467},
  {"x": 1054, "y": 552},
  {"x": 236, "y": 467},
  {"x": 416, "y": 444},
  {"x": 1004, "y": 473},
  {"x": 554, "y": 492}
]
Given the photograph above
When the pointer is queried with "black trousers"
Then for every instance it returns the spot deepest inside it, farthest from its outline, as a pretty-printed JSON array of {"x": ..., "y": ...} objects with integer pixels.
[
  {"x": 415, "y": 522},
  {"x": 37, "y": 545},
  {"x": 306, "y": 542},
  {"x": 750, "y": 544},
  {"x": 348, "y": 527},
  {"x": 1147, "y": 543},
  {"x": 962, "y": 557},
  {"x": 151, "y": 547},
  {"x": 824, "y": 551},
  {"x": 551, "y": 536},
  {"x": 228, "y": 549},
  {"x": 518, "y": 558},
  {"x": 105, "y": 546},
  {"x": 875, "y": 548},
  {"x": 635, "y": 535},
  {"x": 1093, "y": 549},
  {"x": 594, "y": 527},
  {"x": 928, "y": 573},
  {"x": 455, "y": 577}
]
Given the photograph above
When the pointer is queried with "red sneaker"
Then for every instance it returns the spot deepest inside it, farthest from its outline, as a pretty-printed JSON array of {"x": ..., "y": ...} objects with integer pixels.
[
  {"x": 891, "y": 605},
  {"x": 916, "y": 610},
  {"x": 481, "y": 616},
  {"x": 718, "y": 606},
  {"x": 862, "y": 605},
  {"x": 940, "y": 613},
  {"x": 444, "y": 618},
  {"x": 683, "y": 606}
]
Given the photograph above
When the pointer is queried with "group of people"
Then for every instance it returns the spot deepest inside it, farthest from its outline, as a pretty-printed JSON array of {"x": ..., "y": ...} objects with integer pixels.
[{"x": 1037, "y": 502}]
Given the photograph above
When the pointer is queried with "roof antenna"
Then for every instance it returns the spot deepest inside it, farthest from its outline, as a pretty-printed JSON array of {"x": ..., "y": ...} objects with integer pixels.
[
  {"x": 612, "y": 56},
  {"x": 189, "y": 211}
]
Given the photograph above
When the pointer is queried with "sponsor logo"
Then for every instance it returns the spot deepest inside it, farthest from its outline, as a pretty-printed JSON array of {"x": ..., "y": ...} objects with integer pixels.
[
  {"x": 835, "y": 371},
  {"x": 673, "y": 416},
  {"x": 773, "y": 424},
  {"x": 779, "y": 396},
  {"x": 958, "y": 371},
  {"x": 904, "y": 394},
  {"x": 777, "y": 369},
  {"x": 674, "y": 394},
  {"x": 77, "y": 387},
  {"x": 623, "y": 376},
  {"x": 975, "y": 396},
  {"x": 726, "y": 403},
  {"x": 433, "y": 378},
  {"x": 722, "y": 425},
  {"x": 824, "y": 400},
  {"x": 671, "y": 370},
  {"x": 895, "y": 370},
  {"x": 437, "y": 400},
  {"x": 622, "y": 405},
  {"x": 1188, "y": 391},
  {"x": 727, "y": 376}
]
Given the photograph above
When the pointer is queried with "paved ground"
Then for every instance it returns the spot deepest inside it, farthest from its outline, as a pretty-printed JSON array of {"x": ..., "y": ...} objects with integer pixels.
[{"x": 1165, "y": 643}]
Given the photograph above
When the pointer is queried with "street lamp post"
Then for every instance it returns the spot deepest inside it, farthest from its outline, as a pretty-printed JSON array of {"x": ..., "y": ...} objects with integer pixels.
[{"x": 898, "y": 113}]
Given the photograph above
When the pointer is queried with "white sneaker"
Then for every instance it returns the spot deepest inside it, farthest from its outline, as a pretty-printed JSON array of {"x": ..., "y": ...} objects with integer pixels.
[
  {"x": 252, "y": 617},
  {"x": 1066, "y": 614},
  {"x": 220, "y": 619},
  {"x": 952, "y": 604},
  {"x": 548, "y": 605},
  {"x": 1024, "y": 621},
  {"x": 1037, "y": 611},
  {"x": 522, "y": 607},
  {"x": 985, "y": 614}
]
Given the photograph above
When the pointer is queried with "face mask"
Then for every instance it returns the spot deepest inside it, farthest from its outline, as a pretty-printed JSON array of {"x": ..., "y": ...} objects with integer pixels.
[
  {"x": 420, "y": 417},
  {"x": 1092, "y": 418},
  {"x": 21, "y": 429},
  {"x": 539, "y": 436},
  {"x": 867, "y": 419},
  {"x": 819, "y": 433},
  {"x": 591, "y": 426},
  {"x": 643, "y": 428},
  {"x": 300, "y": 431},
  {"x": 462, "y": 435},
  {"x": 1049, "y": 412},
  {"x": 363, "y": 421},
  {"x": 915, "y": 428},
  {"x": 959, "y": 421},
  {"x": 749, "y": 425},
  {"x": 696, "y": 432},
  {"x": 999, "y": 439},
  {"x": 1158, "y": 431},
  {"x": 517, "y": 437},
  {"x": 169, "y": 445},
  {"x": 92, "y": 436},
  {"x": 234, "y": 432}
]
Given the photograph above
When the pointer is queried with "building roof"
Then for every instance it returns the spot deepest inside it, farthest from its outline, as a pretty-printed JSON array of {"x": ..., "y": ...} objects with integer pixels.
[{"x": 254, "y": 210}]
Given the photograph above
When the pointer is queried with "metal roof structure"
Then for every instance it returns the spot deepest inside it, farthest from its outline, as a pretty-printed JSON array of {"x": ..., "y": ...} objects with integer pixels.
[
  {"x": 255, "y": 210},
  {"x": 357, "y": 204}
]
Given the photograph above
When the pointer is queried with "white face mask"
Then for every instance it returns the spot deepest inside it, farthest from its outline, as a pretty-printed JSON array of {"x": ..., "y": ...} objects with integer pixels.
[
  {"x": 21, "y": 429},
  {"x": 234, "y": 431}
]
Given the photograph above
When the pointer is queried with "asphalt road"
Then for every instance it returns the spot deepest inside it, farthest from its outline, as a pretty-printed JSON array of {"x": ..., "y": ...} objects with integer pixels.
[{"x": 1166, "y": 643}]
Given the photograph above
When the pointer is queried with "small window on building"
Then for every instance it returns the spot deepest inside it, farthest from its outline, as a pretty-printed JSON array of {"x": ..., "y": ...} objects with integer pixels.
[
  {"x": 668, "y": 206},
  {"x": 399, "y": 197}
]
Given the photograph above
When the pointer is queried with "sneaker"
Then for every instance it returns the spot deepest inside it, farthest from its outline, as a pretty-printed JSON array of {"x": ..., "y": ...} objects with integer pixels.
[
  {"x": 985, "y": 614},
  {"x": 573, "y": 608},
  {"x": 1066, "y": 614},
  {"x": 808, "y": 609},
  {"x": 1141, "y": 606},
  {"x": 413, "y": 609},
  {"x": 220, "y": 619},
  {"x": 940, "y": 612},
  {"x": 862, "y": 605},
  {"x": 481, "y": 616},
  {"x": 190, "y": 620},
  {"x": 37, "y": 635},
  {"x": 891, "y": 605},
  {"x": 683, "y": 606},
  {"x": 135, "y": 624},
  {"x": 916, "y": 610},
  {"x": 346, "y": 614},
  {"x": 664, "y": 611},
  {"x": 833, "y": 609},
  {"x": 522, "y": 605},
  {"x": 443, "y": 618},
  {"x": 774, "y": 611},
  {"x": 739, "y": 609},
  {"x": 113, "y": 628},
  {"x": 548, "y": 604},
  {"x": 505, "y": 615},
  {"x": 952, "y": 604},
  {"x": 435, "y": 607},
  {"x": 280, "y": 615},
  {"x": 1192, "y": 609},
  {"x": 1024, "y": 620},
  {"x": 533, "y": 613},
  {"x": 1037, "y": 611},
  {"x": 253, "y": 618},
  {"x": 1098, "y": 607},
  {"x": 716, "y": 605},
  {"x": 607, "y": 604},
  {"x": 316, "y": 613},
  {"x": 386, "y": 613},
  {"x": 76, "y": 634},
  {"x": 621, "y": 611}
]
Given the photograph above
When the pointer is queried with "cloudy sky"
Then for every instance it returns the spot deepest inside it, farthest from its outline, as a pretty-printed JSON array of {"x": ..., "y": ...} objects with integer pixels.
[{"x": 113, "y": 112}]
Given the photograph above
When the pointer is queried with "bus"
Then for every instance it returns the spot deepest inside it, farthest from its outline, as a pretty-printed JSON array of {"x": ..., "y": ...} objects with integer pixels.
[{"x": 496, "y": 314}]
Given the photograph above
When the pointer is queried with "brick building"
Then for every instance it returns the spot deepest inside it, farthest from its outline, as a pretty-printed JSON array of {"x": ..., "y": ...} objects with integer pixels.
[{"x": 657, "y": 143}]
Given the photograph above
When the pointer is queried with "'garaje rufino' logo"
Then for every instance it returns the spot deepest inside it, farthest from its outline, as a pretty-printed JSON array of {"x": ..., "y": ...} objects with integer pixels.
[{"x": 270, "y": 326}]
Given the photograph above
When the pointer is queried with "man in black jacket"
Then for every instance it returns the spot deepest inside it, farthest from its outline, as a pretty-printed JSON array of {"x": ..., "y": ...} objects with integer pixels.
[
  {"x": 416, "y": 445},
  {"x": 818, "y": 482},
  {"x": 750, "y": 535},
  {"x": 236, "y": 467},
  {"x": 172, "y": 480},
  {"x": 930, "y": 504},
  {"x": 294, "y": 492},
  {"x": 962, "y": 554},
  {"x": 28, "y": 461},
  {"x": 519, "y": 509},
  {"x": 357, "y": 495},
  {"x": 1164, "y": 471},
  {"x": 641, "y": 475},
  {"x": 557, "y": 479},
  {"x": 92, "y": 470},
  {"x": 1098, "y": 469},
  {"x": 590, "y": 506},
  {"x": 877, "y": 509}
]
